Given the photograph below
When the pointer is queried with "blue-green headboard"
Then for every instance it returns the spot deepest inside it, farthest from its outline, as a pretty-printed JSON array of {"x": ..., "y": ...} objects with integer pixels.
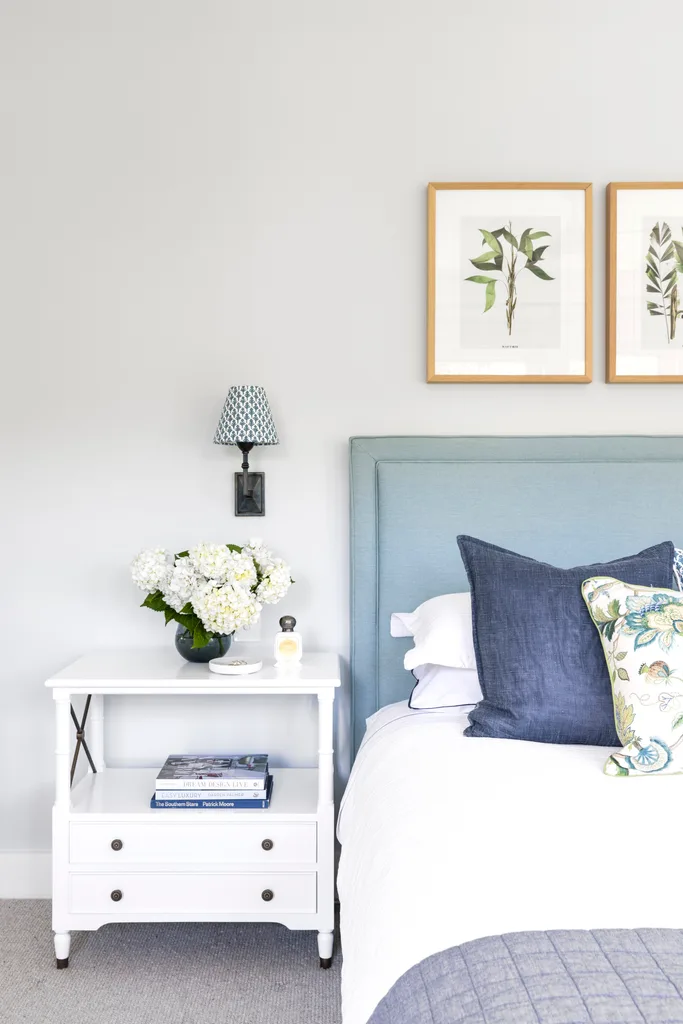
[{"x": 566, "y": 500}]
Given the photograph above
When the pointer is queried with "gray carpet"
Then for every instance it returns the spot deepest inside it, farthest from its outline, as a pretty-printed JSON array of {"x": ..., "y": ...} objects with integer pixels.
[{"x": 162, "y": 974}]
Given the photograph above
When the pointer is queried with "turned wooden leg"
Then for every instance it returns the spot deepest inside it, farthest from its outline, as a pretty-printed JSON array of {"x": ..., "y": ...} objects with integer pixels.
[
  {"x": 325, "y": 943},
  {"x": 62, "y": 944}
]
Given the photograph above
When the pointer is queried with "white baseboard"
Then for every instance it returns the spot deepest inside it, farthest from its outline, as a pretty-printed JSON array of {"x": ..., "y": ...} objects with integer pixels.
[{"x": 25, "y": 875}]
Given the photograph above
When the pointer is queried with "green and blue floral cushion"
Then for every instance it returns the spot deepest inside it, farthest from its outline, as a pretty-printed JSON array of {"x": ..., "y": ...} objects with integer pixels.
[
  {"x": 641, "y": 629},
  {"x": 678, "y": 567}
]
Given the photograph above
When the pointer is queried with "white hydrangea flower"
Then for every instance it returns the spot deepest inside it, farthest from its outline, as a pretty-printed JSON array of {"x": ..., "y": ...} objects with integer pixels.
[
  {"x": 150, "y": 570},
  {"x": 225, "y": 609},
  {"x": 260, "y": 553},
  {"x": 217, "y": 562},
  {"x": 180, "y": 585},
  {"x": 226, "y": 589},
  {"x": 275, "y": 583},
  {"x": 211, "y": 561},
  {"x": 242, "y": 569}
]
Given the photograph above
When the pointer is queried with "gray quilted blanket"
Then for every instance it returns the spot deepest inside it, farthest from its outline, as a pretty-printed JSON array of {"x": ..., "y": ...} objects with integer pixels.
[{"x": 562, "y": 977}]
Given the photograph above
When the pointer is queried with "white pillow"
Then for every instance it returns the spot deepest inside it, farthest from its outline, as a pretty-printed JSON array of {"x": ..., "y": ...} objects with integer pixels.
[
  {"x": 438, "y": 686},
  {"x": 442, "y": 630}
]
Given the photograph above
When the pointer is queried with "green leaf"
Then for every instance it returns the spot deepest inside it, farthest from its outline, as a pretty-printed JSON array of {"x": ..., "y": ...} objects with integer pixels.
[
  {"x": 485, "y": 257},
  {"x": 539, "y": 234},
  {"x": 200, "y": 637},
  {"x": 655, "y": 234},
  {"x": 490, "y": 295},
  {"x": 609, "y": 629},
  {"x": 677, "y": 722},
  {"x": 666, "y": 233},
  {"x": 183, "y": 554},
  {"x": 622, "y": 673},
  {"x": 643, "y": 639},
  {"x": 537, "y": 271},
  {"x": 491, "y": 237},
  {"x": 481, "y": 279},
  {"x": 651, "y": 274},
  {"x": 620, "y": 768},
  {"x": 155, "y": 601},
  {"x": 486, "y": 266},
  {"x": 656, "y": 312},
  {"x": 613, "y": 608},
  {"x": 649, "y": 288},
  {"x": 537, "y": 254},
  {"x": 234, "y": 547},
  {"x": 621, "y": 655},
  {"x": 651, "y": 263},
  {"x": 510, "y": 238},
  {"x": 525, "y": 243},
  {"x": 678, "y": 246},
  {"x": 668, "y": 253}
]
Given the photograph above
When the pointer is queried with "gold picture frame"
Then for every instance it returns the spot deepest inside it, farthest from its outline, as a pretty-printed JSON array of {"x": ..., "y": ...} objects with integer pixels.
[
  {"x": 552, "y": 347},
  {"x": 639, "y": 307}
]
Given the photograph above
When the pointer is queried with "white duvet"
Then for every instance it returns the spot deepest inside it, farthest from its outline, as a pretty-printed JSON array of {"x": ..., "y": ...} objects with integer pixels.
[{"x": 447, "y": 838}]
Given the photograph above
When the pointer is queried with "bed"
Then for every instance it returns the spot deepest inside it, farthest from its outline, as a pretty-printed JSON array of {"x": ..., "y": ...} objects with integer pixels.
[{"x": 445, "y": 840}]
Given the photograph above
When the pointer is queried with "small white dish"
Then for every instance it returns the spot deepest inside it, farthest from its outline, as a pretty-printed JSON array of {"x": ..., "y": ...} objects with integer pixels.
[{"x": 233, "y": 666}]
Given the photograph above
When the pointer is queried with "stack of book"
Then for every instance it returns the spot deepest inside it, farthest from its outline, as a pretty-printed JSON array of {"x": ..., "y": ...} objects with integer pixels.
[{"x": 215, "y": 782}]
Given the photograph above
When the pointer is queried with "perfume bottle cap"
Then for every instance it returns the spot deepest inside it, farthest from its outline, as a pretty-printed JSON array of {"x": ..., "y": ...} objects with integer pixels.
[{"x": 287, "y": 623}]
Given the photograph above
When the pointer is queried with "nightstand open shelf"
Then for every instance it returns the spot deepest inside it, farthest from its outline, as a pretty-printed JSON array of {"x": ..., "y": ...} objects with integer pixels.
[
  {"x": 125, "y": 793},
  {"x": 117, "y": 859}
]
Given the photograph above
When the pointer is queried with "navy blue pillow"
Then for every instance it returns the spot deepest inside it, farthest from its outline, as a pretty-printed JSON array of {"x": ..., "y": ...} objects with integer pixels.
[{"x": 540, "y": 662}]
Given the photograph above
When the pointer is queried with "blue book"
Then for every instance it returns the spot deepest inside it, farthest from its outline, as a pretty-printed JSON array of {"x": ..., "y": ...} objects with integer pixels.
[{"x": 215, "y": 804}]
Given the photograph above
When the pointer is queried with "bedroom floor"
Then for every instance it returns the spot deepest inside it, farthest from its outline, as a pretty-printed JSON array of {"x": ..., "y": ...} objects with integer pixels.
[{"x": 162, "y": 974}]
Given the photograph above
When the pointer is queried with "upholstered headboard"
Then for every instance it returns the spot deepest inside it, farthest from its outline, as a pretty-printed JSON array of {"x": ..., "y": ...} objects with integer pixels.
[{"x": 566, "y": 500}]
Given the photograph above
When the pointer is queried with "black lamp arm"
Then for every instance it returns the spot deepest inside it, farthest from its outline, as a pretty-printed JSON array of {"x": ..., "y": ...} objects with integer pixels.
[{"x": 245, "y": 447}]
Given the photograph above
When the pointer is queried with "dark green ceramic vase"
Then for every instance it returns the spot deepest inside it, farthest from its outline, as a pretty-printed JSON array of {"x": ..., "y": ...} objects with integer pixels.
[{"x": 216, "y": 647}]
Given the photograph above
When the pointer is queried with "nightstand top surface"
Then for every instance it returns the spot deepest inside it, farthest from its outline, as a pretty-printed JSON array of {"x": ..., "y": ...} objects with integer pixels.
[{"x": 162, "y": 668}]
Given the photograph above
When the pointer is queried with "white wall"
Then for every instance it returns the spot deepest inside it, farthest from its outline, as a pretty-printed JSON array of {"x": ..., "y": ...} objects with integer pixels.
[{"x": 196, "y": 194}]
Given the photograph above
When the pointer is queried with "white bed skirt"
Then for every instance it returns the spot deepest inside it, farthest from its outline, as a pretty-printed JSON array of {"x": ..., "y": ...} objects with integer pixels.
[{"x": 447, "y": 838}]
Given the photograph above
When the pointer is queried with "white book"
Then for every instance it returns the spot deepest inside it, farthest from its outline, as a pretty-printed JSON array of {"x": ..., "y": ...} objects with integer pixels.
[
  {"x": 257, "y": 783},
  {"x": 209, "y": 794}
]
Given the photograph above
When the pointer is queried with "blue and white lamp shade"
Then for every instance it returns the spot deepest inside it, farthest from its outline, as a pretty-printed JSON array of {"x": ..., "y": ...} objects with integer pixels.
[{"x": 246, "y": 417}]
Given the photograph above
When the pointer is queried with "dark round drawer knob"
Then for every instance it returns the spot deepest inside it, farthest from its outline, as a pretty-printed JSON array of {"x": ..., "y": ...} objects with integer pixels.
[
  {"x": 117, "y": 895},
  {"x": 267, "y": 844},
  {"x": 267, "y": 895},
  {"x": 117, "y": 844}
]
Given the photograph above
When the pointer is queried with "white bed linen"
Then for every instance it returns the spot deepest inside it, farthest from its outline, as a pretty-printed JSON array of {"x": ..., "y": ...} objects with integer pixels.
[{"x": 447, "y": 838}]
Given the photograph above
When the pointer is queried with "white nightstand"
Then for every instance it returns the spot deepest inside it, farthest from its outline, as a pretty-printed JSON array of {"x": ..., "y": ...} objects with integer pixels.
[{"x": 115, "y": 859}]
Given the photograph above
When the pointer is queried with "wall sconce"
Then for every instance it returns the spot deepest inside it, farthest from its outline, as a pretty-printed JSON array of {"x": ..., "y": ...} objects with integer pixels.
[{"x": 246, "y": 421}]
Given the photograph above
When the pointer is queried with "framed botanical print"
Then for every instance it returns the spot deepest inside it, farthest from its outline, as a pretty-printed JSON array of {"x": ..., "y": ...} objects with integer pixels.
[
  {"x": 509, "y": 282},
  {"x": 645, "y": 282}
]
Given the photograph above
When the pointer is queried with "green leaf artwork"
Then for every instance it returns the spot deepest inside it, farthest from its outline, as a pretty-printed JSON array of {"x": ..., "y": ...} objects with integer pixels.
[
  {"x": 663, "y": 264},
  {"x": 624, "y": 716},
  {"x": 508, "y": 255}
]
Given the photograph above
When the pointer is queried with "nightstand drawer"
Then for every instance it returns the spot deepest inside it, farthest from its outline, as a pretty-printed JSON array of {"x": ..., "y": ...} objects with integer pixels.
[
  {"x": 194, "y": 842},
  {"x": 184, "y": 893}
]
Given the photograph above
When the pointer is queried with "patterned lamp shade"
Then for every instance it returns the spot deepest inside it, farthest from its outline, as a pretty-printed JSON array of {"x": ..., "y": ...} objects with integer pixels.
[{"x": 246, "y": 418}]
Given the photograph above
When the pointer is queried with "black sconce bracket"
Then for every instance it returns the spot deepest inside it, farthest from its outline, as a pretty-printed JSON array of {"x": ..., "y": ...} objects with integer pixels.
[{"x": 250, "y": 488}]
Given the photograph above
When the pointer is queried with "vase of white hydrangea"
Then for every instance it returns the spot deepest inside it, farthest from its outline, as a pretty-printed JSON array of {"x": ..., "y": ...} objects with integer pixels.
[
  {"x": 216, "y": 647},
  {"x": 211, "y": 591}
]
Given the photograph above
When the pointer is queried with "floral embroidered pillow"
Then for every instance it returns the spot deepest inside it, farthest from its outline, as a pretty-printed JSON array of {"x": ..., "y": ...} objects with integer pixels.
[
  {"x": 678, "y": 567},
  {"x": 641, "y": 629}
]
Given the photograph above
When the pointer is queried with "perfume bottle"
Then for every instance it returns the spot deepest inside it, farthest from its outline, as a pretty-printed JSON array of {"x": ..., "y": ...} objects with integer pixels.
[{"x": 288, "y": 649}]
